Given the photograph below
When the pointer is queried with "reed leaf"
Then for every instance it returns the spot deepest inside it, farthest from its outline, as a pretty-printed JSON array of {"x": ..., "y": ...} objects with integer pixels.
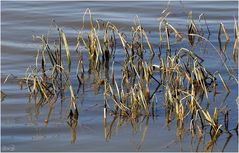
[{"x": 67, "y": 52}]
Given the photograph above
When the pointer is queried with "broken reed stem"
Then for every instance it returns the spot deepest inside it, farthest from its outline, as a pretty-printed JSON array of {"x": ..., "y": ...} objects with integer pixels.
[
  {"x": 223, "y": 28},
  {"x": 67, "y": 52}
]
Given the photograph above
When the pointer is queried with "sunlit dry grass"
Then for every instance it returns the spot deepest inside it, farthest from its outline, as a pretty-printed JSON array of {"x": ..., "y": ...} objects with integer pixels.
[{"x": 181, "y": 75}]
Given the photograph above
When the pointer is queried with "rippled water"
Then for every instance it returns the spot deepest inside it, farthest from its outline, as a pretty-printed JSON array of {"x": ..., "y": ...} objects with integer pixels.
[{"x": 24, "y": 130}]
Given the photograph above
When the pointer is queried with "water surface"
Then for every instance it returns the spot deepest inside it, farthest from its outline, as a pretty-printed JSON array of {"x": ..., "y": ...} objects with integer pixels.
[{"x": 24, "y": 129}]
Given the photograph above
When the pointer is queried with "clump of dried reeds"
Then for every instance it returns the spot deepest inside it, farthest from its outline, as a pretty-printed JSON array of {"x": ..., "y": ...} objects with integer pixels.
[{"x": 181, "y": 75}]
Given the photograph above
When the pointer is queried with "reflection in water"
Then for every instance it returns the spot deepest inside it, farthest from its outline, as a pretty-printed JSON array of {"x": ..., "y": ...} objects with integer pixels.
[
  {"x": 136, "y": 125},
  {"x": 73, "y": 122},
  {"x": 198, "y": 142},
  {"x": 227, "y": 140},
  {"x": 223, "y": 48},
  {"x": 3, "y": 96},
  {"x": 144, "y": 134}
]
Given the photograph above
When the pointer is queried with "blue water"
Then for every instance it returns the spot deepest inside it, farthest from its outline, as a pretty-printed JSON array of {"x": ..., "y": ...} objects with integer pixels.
[{"x": 24, "y": 128}]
